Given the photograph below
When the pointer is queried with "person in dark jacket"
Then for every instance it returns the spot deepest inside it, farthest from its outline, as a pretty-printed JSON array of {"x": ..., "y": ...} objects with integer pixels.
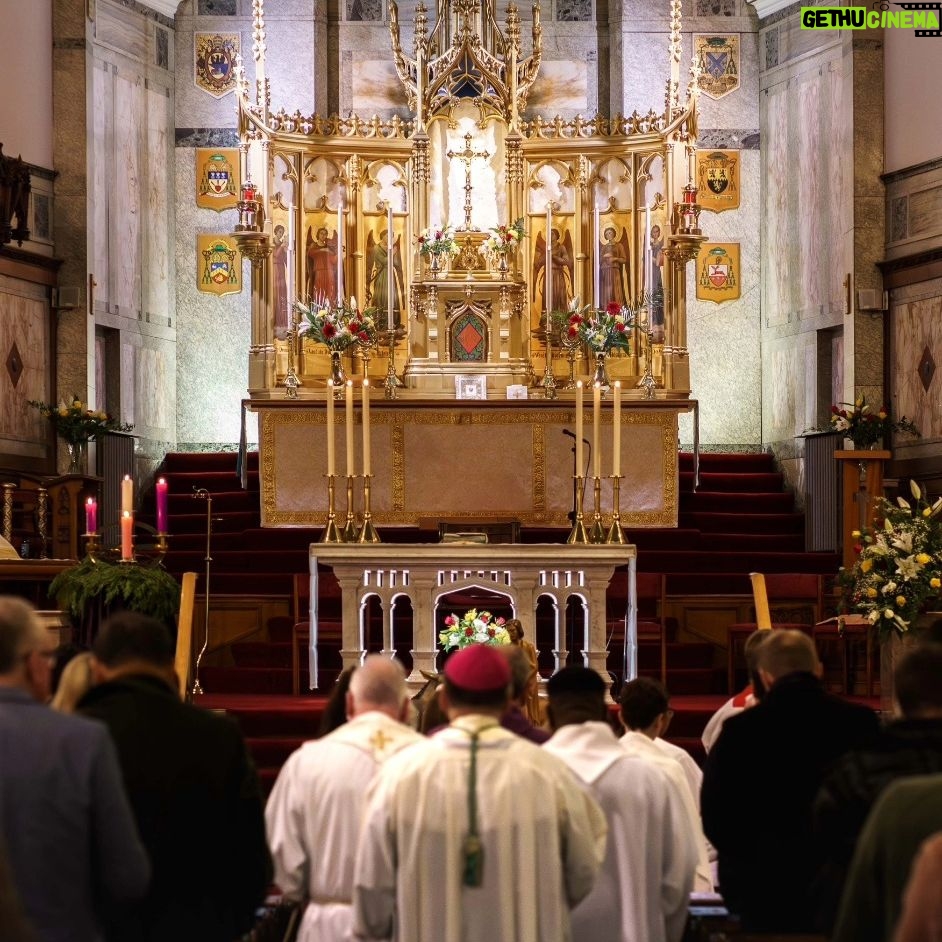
[
  {"x": 193, "y": 790},
  {"x": 910, "y": 745},
  {"x": 761, "y": 779}
]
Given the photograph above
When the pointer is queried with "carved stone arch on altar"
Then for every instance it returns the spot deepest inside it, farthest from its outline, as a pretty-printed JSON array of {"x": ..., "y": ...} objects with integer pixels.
[
  {"x": 323, "y": 184},
  {"x": 656, "y": 225},
  {"x": 469, "y": 330},
  {"x": 384, "y": 184}
]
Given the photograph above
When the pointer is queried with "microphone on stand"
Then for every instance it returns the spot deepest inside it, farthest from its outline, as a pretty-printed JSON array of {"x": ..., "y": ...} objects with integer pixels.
[{"x": 570, "y": 434}]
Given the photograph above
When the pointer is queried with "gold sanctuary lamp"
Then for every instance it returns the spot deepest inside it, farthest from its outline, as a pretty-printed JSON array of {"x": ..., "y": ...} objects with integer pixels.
[
  {"x": 615, "y": 532},
  {"x": 248, "y": 206},
  {"x": 331, "y": 532},
  {"x": 578, "y": 533}
]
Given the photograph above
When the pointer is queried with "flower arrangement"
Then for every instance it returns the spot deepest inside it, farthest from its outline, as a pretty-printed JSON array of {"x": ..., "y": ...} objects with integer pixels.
[
  {"x": 438, "y": 240},
  {"x": 337, "y": 326},
  {"x": 899, "y": 567},
  {"x": 503, "y": 239},
  {"x": 865, "y": 425},
  {"x": 76, "y": 423},
  {"x": 473, "y": 627},
  {"x": 602, "y": 331}
]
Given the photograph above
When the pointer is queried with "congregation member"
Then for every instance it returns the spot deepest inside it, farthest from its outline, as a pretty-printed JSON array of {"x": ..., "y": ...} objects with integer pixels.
[
  {"x": 644, "y": 711},
  {"x": 749, "y": 696},
  {"x": 523, "y": 684},
  {"x": 315, "y": 808},
  {"x": 907, "y": 813},
  {"x": 475, "y": 834},
  {"x": 909, "y": 745},
  {"x": 71, "y": 843},
  {"x": 192, "y": 787},
  {"x": 761, "y": 779},
  {"x": 643, "y": 888}
]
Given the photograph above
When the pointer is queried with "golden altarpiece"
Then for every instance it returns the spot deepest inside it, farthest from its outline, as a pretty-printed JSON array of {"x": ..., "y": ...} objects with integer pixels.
[{"x": 608, "y": 209}]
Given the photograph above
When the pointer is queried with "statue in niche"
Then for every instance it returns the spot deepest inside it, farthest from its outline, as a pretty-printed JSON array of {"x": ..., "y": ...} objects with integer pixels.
[
  {"x": 561, "y": 258},
  {"x": 320, "y": 252},
  {"x": 657, "y": 283},
  {"x": 613, "y": 266},
  {"x": 377, "y": 277},
  {"x": 279, "y": 260}
]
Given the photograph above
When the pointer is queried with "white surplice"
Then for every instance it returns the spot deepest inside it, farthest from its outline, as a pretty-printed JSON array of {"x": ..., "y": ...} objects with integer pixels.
[
  {"x": 643, "y": 889},
  {"x": 314, "y": 814},
  {"x": 692, "y": 772},
  {"x": 543, "y": 841},
  {"x": 637, "y": 744}
]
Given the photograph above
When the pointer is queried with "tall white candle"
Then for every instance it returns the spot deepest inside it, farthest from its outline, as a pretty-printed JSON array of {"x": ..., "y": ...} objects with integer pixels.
[
  {"x": 349, "y": 427},
  {"x": 616, "y": 430},
  {"x": 390, "y": 270},
  {"x": 290, "y": 227},
  {"x": 340, "y": 254},
  {"x": 289, "y": 274},
  {"x": 598, "y": 259},
  {"x": 366, "y": 428},
  {"x": 548, "y": 272},
  {"x": 330, "y": 428},
  {"x": 127, "y": 495},
  {"x": 579, "y": 433},
  {"x": 648, "y": 287},
  {"x": 596, "y": 420}
]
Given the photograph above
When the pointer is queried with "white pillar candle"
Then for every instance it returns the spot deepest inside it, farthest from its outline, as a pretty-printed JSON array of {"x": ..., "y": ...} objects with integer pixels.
[
  {"x": 548, "y": 272},
  {"x": 616, "y": 430},
  {"x": 596, "y": 419},
  {"x": 390, "y": 271},
  {"x": 127, "y": 495},
  {"x": 340, "y": 254},
  {"x": 349, "y": 427},
  {"x": 648, "y": 286},
  {"x": 366, "y": 428},
  {"x": 330, "y": 428},
  {"x": 579, "y": 433},
  {"x": 598, "y": 259}
]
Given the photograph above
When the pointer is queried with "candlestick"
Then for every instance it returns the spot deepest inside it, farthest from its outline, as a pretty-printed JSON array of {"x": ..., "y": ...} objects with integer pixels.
[
  {"x": 368, "y": 532},
  {"x": 616, "y": 430},
  {"x": 349, "y": 427},
  {"x": 597, "y": 533},
  {"x": 390, "y": 270},
  {"x": 330, "y": 533},
  {"x": 91, "y": 515},
  {"x": 596, "y": 421},
  {"x": 161, "y": 489},
  {"x": 579, "y": 434},
  {"x": 691, "y": 164},
  {"x": 615, "y": 532},
  {"x": 127, "y": 495},
  {"x": 598, "y": 259},
  {"x": 127, "y": 536},
  {"x": 366, "y": 428},
  {"x": 578, "y": 534},
  {"x": 340, "y": 254},
  {"x": 350, "y": 530},
  {"x": 330, "y": 428}
]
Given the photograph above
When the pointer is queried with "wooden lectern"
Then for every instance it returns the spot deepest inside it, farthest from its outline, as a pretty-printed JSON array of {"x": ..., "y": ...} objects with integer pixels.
[{"x": 862, "y": 488}]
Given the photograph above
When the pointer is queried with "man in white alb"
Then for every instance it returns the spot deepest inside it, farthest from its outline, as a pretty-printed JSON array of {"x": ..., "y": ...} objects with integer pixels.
[
  {"x": 643, "y": 889},
  {"x": 644, "y": 712},
  {"x": 315, "y": 809},
  {"x": 475, "y": 835}
]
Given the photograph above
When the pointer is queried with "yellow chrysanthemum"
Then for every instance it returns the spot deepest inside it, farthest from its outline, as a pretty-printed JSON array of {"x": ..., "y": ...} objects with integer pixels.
[
  {"x": 866, "y": 565},
  {"x": 871, "y": 593},
  {"x": 935, "y": 583},
  {"x": 922, "y": 558},
  {"x": 900, "y": 600}
]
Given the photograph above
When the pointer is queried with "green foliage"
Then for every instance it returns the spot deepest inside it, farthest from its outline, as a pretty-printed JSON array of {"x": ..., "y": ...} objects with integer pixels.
[{"x": 148, "y": 589}]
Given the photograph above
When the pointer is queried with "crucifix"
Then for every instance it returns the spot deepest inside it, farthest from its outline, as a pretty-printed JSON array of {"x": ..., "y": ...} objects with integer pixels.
[{"x": 467, "y": 155}]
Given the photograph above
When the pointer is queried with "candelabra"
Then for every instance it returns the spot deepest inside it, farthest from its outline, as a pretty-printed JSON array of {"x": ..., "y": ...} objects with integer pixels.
[
  {"x": 368, "y": 532},
  {"x": 331, "y": 533},
  {"x": 597, "y": 533},
  {"x": 392, "y": 382},
  {"x": 349, "y": 532},
  {"x": 615, "y": 532},
  {"x": 549, "y": 381},
  {"x": 570, "y": 345},
  {"x": 292, "y": 381},
  {"x": 578, "y": 533}
]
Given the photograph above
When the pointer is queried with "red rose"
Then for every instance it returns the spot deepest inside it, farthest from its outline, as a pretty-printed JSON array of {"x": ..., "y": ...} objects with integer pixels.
[
  {"x": 613, "y": 308},
  {"x": 469, "y": 632},
  {"x": 619, "y": 326},
  {"x": 364, "y": 336},
  {"x": 329, "y": 330},
  {"x": 501, "y": 621},
  {"x": 573, "y": 331},
  {"x": 450, "y": 620},
  {"x": 575, "y": 319},
  {"x": 485, "y": 617},
  {"x": 491, "y": 632}
]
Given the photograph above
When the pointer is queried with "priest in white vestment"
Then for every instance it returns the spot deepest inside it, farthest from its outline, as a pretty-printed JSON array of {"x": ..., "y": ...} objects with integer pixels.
[
  {"x": 475, "y": 835},
  {"x": 644, "y": 713},
  {"x": 643, "y": 889},
  {"x": 316, "y": 807}
]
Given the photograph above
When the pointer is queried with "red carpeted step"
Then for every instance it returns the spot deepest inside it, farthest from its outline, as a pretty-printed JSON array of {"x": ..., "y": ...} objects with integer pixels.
[
  {"x": 692, "y": 713},
  {"x": 272, "y": 751},
  {"x": 742, "y": 502},
  {"x": 685, "y": 654},
  {"x": 664, "y": 539},
  {"x": 760, "y": 542},
  {"x": 257, "y": 680},
  {"x": 205, "y": 460},
  {"x": 709, "y": 522},
  {"x": 727, "y": 462},
  {"x": 769, "y": 481},
  {"x": 223, "y": 502},
  {"x": 261, "y": 716},
  {"x": 690, "y": 680},
  {"x": 726, "y": 562},
  {"x": 262, "y": 654}
]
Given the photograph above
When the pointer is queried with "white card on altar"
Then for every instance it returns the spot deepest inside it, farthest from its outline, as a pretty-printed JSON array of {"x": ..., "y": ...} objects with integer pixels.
[
  {"x": 471, "y": 387},
  {"x": 516, "y": 391}
]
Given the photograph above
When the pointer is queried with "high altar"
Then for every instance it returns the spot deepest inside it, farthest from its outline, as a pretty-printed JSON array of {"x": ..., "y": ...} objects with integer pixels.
[{"x": 608, "y": 208}]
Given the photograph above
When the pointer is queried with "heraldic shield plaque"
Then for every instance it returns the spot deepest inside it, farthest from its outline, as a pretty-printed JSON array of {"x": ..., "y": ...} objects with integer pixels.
[
  {"x": 215, "y": 59},
  {"x": 218, "y": 264},
  {"x": 718, "y": 272},
  {"x": 217, "y": 178},
  {"x": 718, "y": 179}
]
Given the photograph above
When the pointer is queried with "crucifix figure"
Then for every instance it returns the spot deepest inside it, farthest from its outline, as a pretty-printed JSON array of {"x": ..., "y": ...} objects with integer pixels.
[{"x": 467, "y": 155}]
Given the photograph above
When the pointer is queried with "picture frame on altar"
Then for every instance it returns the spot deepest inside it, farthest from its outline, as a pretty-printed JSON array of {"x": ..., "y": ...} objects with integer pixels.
[{"x": 471, "y": 387}]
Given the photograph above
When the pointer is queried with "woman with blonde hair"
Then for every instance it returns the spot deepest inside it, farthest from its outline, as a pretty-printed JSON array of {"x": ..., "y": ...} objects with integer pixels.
[{"x": 76, "y": 680}]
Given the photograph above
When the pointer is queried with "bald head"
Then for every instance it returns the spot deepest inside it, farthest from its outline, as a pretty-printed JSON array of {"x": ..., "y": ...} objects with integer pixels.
[
  {"x": 379, "y": 683},
  {"x": 786, "y": 651}
]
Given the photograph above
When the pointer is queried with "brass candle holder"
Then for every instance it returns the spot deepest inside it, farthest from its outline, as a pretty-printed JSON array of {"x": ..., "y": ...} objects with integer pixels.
[
  {"x": 549, "y": 381},
  {"x": 331, "y": 533},
  {"x": 92, "y": 546},
  {"x": 615, "y": 532},
  {"x": 349, "y": 533},
  {"x": 578, "y": 533},
  {"x": 392, "y": 382},
  {"x": 597, "y": 533},
  {"x": 368, "y": 532},
  {"x": 162, "y": 545}
]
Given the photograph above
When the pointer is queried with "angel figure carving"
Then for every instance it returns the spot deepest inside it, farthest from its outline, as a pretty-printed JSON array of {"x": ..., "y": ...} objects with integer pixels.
[
  {"x": 377, "y": 276},
  {"x": 561, "y": 280},
  {"x": 613, "y": 267}
]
